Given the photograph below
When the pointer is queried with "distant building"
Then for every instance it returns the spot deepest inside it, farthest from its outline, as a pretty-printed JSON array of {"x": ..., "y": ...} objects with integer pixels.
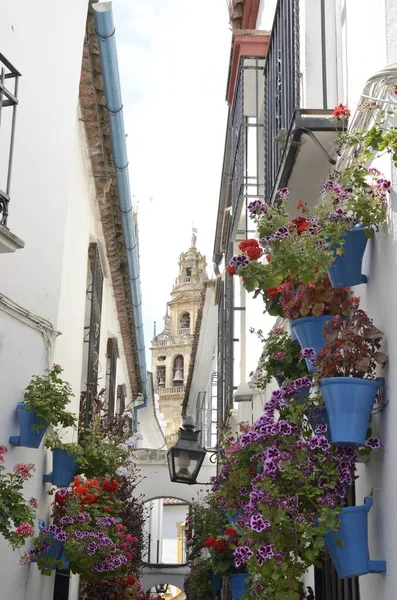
[{"x": 172, "y": 347}]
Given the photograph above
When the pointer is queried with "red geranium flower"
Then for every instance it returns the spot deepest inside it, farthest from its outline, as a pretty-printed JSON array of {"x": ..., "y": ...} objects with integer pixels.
[
  {"x": 341, "y": 111},
  {"x": 253, "y": 252},
  {"x": 230, "y": 531},
  {"x": 221, "y": 546},
  {"x": 209, "y": 542},
  {"x": 300, "y": 223},
  {"x": 231, "y": 270},
  {"x": 248, "y": 244},
  {"x": 272, "y": 292}
]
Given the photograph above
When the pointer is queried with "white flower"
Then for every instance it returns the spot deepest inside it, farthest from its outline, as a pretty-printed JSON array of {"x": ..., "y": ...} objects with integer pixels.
[{"x": 122, "y": 471}]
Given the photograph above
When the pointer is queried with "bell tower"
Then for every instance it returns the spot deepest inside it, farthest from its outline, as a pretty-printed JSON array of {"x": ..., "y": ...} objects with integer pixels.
[{"x": 171, "y": 348}]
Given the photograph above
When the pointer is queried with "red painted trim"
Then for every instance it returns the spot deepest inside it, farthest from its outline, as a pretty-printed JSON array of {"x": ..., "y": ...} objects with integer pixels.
[
  {"x": 244, "y": 45},
  {"x": 250, "y": 14}
]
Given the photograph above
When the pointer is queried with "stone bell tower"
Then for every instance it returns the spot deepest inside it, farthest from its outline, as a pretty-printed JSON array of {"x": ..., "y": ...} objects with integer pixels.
[{"x": 171, "y": 348}]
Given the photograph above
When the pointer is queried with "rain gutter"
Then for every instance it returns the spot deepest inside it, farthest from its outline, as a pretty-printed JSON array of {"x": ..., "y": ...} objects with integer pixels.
[{"x": 105, "y": 30}]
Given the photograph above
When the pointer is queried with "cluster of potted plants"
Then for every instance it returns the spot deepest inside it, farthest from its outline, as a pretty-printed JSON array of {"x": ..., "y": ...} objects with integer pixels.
[
  {"x": 285, "y": 480},
  {"x": 96, "y": 526}
]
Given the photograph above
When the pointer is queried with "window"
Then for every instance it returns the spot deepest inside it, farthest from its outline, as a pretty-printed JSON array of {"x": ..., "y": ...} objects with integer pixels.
[
  {"x": 92, "y": 329},
  {"x": 121, "y": 396},
  {"x": 188, "y": 272},
  {"x": 111, "y": 372},
  {"x": 61, "y": 584},
  {"x": 8, "y": 98},
  {"x": 161, "y": 371},
  {"x": 184, "y": 321},
  {"x": 178, "y": 371}
]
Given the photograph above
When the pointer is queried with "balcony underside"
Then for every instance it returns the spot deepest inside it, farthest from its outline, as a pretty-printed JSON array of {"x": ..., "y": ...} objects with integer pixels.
[{"x": 308, "y": 157}]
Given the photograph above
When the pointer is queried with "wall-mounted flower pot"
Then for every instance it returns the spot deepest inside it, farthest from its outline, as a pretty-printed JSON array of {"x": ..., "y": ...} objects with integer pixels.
[
  {"x": 346, "y": 270},
  {"x": 216, "y": 582},
  {"x": 64, "y": 468},
  {"x": 352, "y": 558},
  {"x": 349, "y": 402},
  {"x": 55, "y": 552},
  {"x": 233, "y": 519},
  {"x": 317, "y": 415},
  {"x": 238, "y": 585},
  {"x": 29, "y": 435},
  {"x": 310, "y": 334}
]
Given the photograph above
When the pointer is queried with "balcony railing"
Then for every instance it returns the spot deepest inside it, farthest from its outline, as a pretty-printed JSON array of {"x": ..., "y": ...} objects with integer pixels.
[
  {"x": 8, "y": 98},
  {"x": 180, "y": 339},
  {"x": 168, "y": 391},
  {"x": 247, "y": 134},
  {"x": 183, "y": 331},
  {"x": 282, "y": 85}
]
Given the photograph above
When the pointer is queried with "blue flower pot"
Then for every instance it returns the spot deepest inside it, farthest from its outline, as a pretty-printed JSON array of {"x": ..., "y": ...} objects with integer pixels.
[
  {"x": 352, "y": 559},
  {"x": 346, "y": 270},
  {"x": 310, "y": 334},
  {"x": 349, "y": 402},
  {"x": 233, "y": 519},
  {"x": 238, "y": 585},
  {"x": 303, "y": 394},
  {"x": 318, "y": 415},
  {"x": 64, "y": 468},
  {"x": 55, "y": 552},
  {"x": 216, "y": 581},
  {"x": 29, "y": 437}
]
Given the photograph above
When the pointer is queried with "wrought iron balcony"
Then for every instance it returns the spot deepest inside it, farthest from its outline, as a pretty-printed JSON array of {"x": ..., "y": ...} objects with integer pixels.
[
  {"x": 247, "y": 135},
  {"x": 301, "y": 84},
  {"x": 9, "y": 80}
]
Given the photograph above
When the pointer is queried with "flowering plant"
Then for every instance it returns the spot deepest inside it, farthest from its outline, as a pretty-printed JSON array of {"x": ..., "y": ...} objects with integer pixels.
[
  {"x": 292, "y": 499},
  {"x": 203, "y": 521},
  {"x": 197, "y": 583},
  {"x": 352, "y": 348},
  {"x": 48, "y": 395},
  {"x": 280, "y": 358},
  {"x": 16, "y": 514},
  {"x": 121, "y": 588},
  {"x": 221, "y": 549},
  {"x": 86, "y": 519},
  {"x": 314, "y": 299}
]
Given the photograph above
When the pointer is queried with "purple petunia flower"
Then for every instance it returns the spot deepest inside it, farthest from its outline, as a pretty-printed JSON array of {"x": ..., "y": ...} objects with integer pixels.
[
  {"x": 373, "y": 443},
  {"x": 258, "y": 523},
  {"x": 281, "y": 233},
  {"x": 241, "y": 555},
  {"x": 283, "y": 192},
  {"x": 239, "y": 261},
  {"x": 321, "y": 429},
  {"x": 60, "y": 536},
  {"x": 264, "y": 552},
  {"x": 257, "y": 207},
  {"x": 307, "y": 353}
]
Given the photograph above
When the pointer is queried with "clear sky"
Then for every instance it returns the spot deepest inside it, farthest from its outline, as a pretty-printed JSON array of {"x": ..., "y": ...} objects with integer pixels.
[{"x": 173, "y": 59}]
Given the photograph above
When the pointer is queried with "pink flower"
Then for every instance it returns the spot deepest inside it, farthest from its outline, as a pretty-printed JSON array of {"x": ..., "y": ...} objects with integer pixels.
[
  {"x": 279, "y": 356},
  {"x": 24, "y": 529},
  {"x": 33, "y": 502},
  {"x": 23, "y": 470}
]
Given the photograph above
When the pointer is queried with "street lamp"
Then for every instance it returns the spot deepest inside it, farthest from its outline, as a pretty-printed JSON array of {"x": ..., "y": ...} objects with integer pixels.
[
  {"x": 186, "y": 456},
  {"x": 161, "y": 588}
]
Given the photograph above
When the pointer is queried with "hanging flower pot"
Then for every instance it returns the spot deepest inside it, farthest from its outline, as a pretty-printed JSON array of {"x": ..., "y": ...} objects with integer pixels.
[
  {"x": 310, "y": 334},
  {"x": 352, "y": 558},
  {"x": 64, "y": 468},
  {"x": 55, "y": 552},
  {"x": 346, "y": 270},
  {"x": 29, "y": 435},
  {"x": 349, "y": 402},
  {"x": 238, "y": 585},
  {"x": 216, "y": 581},
  {"x": 318, "y": 417}
]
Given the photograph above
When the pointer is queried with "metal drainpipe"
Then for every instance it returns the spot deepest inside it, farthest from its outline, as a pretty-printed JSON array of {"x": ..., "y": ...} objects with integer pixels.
[{"x": 105, "y": 30}]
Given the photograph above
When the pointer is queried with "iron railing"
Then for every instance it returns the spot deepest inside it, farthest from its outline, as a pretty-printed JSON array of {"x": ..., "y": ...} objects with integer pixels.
[
  {"x": 8, "y": 98},
  {"x": 247, "y": 133},
  {"x": 282, "y": 85}
]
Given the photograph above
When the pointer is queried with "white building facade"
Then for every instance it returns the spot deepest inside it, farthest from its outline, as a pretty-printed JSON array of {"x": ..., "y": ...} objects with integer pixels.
[{"x": 65, "y": 296}]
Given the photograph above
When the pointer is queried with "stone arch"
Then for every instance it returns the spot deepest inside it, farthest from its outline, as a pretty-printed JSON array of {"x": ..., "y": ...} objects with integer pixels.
[{"x": 152, "y": 576}]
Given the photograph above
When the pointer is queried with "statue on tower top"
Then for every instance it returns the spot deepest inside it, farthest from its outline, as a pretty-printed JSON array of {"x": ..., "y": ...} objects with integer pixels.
[{"x": 194, "y": 237}]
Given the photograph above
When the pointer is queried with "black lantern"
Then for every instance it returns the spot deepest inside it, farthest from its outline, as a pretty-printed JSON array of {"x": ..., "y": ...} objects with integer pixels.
[
  {"x": 161, "y": 588},
  {"x": 186, "y": 457}
]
